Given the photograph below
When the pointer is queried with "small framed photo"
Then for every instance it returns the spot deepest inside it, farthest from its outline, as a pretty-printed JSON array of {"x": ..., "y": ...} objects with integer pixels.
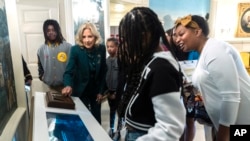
[{"x": 243, "y": 28}]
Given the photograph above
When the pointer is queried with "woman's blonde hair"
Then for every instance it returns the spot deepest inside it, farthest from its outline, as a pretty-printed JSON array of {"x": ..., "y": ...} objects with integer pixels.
[{"x": 93, "y": 30}]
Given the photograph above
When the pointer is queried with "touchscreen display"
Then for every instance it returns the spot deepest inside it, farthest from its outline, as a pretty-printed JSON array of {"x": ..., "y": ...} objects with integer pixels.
[{"x": 67, "y": 127}]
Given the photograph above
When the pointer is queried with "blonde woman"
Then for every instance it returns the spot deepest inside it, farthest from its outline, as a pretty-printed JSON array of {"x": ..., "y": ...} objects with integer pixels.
[{"x": 86, "y": 69}]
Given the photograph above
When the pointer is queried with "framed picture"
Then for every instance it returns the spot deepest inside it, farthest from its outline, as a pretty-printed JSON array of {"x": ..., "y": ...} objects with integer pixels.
[
  {"x": 170, "y": 10},
  {"x": 89, "y": 11},
  {"x": 8, "y": 98},
  {"x": 243, "y": 28}
]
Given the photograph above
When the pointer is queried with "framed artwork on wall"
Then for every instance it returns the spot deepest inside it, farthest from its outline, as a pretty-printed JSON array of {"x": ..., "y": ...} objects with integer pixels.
[
  {"x": 89, "y": 11},
  {"x": 169, "y": 10},
  {"x": 243, "y": 27},
  {"x": 8, "y": 99}
]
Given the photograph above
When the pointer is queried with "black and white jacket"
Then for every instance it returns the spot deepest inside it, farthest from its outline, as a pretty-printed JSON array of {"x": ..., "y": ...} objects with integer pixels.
[{"x": 156, "y": 107}]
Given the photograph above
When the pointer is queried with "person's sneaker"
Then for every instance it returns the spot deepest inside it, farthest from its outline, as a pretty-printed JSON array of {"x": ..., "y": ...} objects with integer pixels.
[
  {"x": 117, "y": 136},
  {"x": 111, "y": 133}
]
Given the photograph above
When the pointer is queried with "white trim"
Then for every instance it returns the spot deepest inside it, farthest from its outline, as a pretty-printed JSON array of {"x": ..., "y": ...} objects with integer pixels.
[
  {"x": 12, "y": 125},
  {"x": 106, "y": 19},
  {"x": 69, "y": 22}
]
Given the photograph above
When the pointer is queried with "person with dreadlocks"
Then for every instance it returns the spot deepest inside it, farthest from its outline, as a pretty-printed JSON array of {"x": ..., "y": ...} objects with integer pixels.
[
  {"x": 151, "y": 102},
  {"x": 52, "y": 56},
  {"x": 225, "y": 91}
]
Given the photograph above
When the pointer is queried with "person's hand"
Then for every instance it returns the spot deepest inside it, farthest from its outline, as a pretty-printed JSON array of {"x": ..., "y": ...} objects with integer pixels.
[
  {"x": 67, "y": 91},
  {"x": 112, "y": 96},
  {"x": 99, "y": 98},
  {"x": 28, "y": 82}
]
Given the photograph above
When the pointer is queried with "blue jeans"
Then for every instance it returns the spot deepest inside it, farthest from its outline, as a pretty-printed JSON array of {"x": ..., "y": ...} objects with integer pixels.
[
  {"x": 112, "y": 112},
  {"x": 134, "y": 134}
]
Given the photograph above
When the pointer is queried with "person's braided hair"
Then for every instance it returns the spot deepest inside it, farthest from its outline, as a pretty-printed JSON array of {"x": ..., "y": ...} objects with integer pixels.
[
  {"x": 140, "y": 33},
  {"x": 55, "y": 24}
]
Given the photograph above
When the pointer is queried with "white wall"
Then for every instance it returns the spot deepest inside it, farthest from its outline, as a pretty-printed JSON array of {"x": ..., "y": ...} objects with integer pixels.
[
  {"x": 224, "y": 20},
  {"x": 116, "y": 16}
]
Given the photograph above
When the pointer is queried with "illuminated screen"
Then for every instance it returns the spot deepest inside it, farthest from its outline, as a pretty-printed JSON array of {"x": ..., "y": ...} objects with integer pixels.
[{"x": 67, "y": 127}]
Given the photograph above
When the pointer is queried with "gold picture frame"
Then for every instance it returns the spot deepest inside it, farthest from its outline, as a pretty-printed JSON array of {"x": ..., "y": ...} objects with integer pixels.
[{"x": 243, "y": 27}]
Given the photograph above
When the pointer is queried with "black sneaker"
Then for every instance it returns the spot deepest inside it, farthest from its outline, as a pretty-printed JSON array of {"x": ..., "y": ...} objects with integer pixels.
[
  {"x": 116, "y": 136},
  {"x": 111, "y": 133}
]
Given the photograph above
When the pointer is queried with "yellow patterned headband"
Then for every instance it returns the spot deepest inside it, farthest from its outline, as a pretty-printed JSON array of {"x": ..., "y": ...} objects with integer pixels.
[{"x": 187, "y": 21}]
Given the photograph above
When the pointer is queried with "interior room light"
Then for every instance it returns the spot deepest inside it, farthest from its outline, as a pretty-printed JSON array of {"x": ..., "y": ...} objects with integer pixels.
[{"x": 119, "y": 7}]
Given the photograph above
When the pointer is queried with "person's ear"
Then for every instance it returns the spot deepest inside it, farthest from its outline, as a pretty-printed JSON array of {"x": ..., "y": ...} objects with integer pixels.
[{"x": 198, "y": 32}]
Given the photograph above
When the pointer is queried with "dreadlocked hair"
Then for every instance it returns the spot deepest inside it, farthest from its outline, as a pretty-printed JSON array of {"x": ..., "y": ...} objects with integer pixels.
[
  {"x": 54, "y": 23},
  {"x": 140, "y": 33},
  {"x": 130, "y": 89}
]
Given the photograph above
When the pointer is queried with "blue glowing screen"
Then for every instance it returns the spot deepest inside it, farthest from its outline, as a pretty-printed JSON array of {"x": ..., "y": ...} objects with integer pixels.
[{"x": 67, "y": 127}]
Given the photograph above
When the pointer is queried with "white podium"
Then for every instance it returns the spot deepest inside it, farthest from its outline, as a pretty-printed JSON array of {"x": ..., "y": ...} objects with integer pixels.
[{"x": 40, "y": 120}]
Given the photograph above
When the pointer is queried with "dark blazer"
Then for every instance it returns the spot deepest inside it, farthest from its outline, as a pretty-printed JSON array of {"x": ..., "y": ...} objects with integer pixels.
[
  {"x": 26, "y": 73},
  {"x": 77, "y": 72}
]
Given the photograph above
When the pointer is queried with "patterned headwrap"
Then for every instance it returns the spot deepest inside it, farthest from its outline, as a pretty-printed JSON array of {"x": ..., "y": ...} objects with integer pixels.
[{"x": 187, "y": 21}]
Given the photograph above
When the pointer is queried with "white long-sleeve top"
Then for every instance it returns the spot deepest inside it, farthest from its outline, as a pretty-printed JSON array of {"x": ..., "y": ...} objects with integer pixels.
[{"x": 224, "y": 84}]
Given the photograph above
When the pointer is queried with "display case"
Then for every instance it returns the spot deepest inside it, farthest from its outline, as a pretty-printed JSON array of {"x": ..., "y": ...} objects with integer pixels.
[{"x": 51, "y": 124}]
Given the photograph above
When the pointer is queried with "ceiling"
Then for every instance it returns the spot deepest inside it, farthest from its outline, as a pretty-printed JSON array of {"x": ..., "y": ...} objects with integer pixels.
[{"x": 117, "y": 14}]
